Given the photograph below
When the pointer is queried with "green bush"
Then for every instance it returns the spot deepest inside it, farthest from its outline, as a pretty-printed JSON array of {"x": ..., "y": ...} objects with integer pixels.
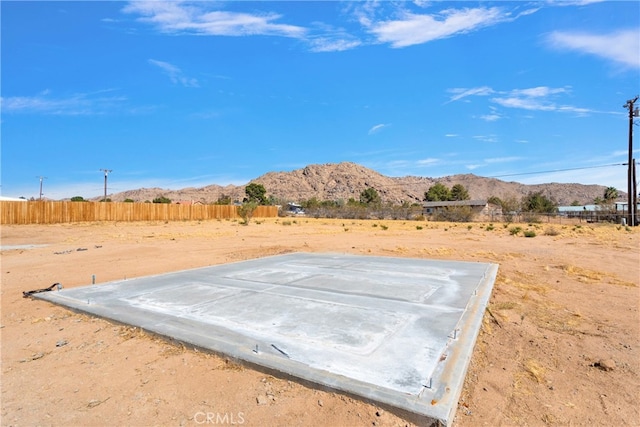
[
  {"x": 246, "y": 211},
  {"x": 529, "y": 233},
  {"x": 514, "y": 230}
]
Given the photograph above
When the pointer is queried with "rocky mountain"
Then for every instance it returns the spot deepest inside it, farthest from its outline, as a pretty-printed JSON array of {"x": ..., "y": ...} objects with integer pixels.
[{"x": 346, "y": 180}]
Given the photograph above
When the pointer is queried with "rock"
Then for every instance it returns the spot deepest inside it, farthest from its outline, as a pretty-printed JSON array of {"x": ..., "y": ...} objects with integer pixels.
[
  {"x": 320, "y": 403},
  {"x": 262, "y": 400},
  {"x": 606, "y": 364}
]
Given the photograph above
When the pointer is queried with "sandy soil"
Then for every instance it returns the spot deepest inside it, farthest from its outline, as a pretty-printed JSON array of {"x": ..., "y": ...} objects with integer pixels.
[{"x": 560, "y": 343}]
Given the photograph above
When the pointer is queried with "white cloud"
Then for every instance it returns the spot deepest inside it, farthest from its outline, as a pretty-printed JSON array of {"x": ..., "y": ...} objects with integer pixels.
[
  {"x": 174, "y": 73},
  {"x": 82, "y": 104},
  {"x": 539, "y": 98},
  {"x": 180, "y": 17},
  {"x": 573, "y": 2},
  {"x": 621, "y": 47},
  {"x": 524, "y": 103},
  {"x": 539, "y": 91},
  {"x": 486, "y": 138},
  {"x": 330, "y": 44},
  {"x": 460, "y": 93},
  {"x": 411, "y": 29},
  {"x": 428, "y": 161},
  {"x": 502, "y": 159},
  {"x": 377, "y": 128},
  {"x": 491, "y": 117}
]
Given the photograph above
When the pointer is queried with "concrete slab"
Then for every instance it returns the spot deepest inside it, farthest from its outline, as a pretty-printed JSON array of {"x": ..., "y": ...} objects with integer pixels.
[{"x": 396, "y": 331}]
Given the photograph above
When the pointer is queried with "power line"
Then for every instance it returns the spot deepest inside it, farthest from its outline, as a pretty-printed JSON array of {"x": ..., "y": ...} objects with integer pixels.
[{"x": 559, "y": 170}]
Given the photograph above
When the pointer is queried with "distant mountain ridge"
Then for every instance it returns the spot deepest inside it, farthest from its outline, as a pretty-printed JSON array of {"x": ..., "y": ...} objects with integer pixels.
[{"x": 341, "y": 181}]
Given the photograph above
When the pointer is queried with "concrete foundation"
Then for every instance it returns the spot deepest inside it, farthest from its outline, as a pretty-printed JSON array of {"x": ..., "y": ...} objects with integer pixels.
[{"x": 396, "y": 331}]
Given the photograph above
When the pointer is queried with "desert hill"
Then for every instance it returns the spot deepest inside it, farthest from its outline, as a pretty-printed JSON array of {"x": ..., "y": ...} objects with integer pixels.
[{"x": 341, "y": 181}]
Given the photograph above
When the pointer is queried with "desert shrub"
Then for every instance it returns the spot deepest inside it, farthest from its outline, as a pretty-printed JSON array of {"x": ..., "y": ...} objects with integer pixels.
[
  {"x": 384, "y": 227},
  {"x": 246, "y": 211},
  {"x": 514, "y": 230},
  {"x": 489, "y": 227},
  {"x": 418, "y": 227},
  {"x": 286, "y": 222},
  {"x": 454, "y": 214},
  {"x": 529, "y": 233},
  {"x": 551, "y": 231}
]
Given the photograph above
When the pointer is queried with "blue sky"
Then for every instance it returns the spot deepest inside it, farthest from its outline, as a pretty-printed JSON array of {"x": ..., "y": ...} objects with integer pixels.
[{"x": 187, "y": 94}]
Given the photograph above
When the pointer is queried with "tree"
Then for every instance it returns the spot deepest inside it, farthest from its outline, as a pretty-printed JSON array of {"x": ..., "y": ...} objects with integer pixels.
[
  {"x": 161, "y": 199},
  {"x": 459, "y": 192},
  {"x": 369, "y": 196},
  {"x": 77, "y": 199},
  {"x": 437, "y": 193},
  {"x": 538, "y": 203},
  {"x": 128, "y": 200},
  {"x": 255, "y": 193},
  {"x": 224, "y": 199},
  {"x": 610, "y": 194}
]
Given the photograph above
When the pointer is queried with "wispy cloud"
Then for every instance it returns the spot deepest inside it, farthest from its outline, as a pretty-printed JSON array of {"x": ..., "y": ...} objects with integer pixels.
[
  {"x": 495, "y": 160},
  {"x": 411, "y": 29},
  {"x": 80, "y": 104},
  {"x": 377, "y": 128},
  {"x": 428, "y": 161},
  {"x": 486, "y": 138},
  {"x": 621, "y": 47},
  {"x": 573, "y": 2},
  {"x": 333, "y": 43},
  {"x": 174, "y": 73},
  {"x": 459, "y": 93},
  {"x": 197, "y": 18},
  {"x": 493, "y": 116},
  {"x": 539, "y": 98}
]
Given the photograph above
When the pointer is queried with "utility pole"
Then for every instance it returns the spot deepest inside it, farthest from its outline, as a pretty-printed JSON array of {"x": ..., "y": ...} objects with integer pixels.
[
  {"x": 635, "y": 191},
  {"x": 631, "y": 208},
  {"x": 41, "y": 179},
  {"x": 106, "y": 173}
]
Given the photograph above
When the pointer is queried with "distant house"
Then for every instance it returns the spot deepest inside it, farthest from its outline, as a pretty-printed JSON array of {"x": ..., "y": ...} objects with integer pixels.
[
  {"x": 12, "y": 199},
  {"x": 481, "y": 209},
  {"x": 294, "y": 209}
]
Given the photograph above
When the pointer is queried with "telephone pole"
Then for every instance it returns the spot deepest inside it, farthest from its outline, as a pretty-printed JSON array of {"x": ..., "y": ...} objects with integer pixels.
[
  {"x": 41, "y": 179},
  {"x": 106, "y": 173},
  {"x": 631, "y": 188}
]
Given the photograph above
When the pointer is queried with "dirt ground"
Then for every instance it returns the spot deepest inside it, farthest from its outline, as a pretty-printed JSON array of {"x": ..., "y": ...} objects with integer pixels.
[{"x": 559, "y": 345}]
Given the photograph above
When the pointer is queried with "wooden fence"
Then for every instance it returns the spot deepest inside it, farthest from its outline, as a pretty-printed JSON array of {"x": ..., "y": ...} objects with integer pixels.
[{"x": 47, "y": 212}]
